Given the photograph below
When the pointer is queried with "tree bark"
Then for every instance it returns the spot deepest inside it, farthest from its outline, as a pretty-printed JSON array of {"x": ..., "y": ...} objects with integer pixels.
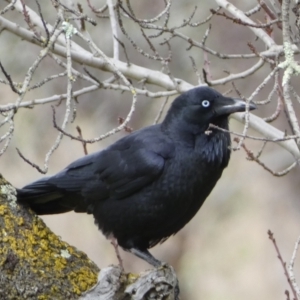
[
  {"x": 34, "y": 262},
  {"x": 156, "y": 284}
]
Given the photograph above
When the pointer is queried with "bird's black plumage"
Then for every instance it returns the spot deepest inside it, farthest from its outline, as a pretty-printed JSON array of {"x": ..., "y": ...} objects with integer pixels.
[{"x": 149, "y": 184}]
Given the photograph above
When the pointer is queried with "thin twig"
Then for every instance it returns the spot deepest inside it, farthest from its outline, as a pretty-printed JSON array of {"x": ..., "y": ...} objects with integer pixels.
[
  {"x": 283, "y": 264},
  {"x": 255, "y": 158},
  {"x": 83, "y": 143},
  {"x": 7, "y": 76},
  {"x": 291, "y": 268},
  {"x": 161, "y": 110}
]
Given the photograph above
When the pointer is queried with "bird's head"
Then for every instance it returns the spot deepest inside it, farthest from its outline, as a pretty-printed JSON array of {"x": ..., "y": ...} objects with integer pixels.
[{"x": 201, "y": 106}]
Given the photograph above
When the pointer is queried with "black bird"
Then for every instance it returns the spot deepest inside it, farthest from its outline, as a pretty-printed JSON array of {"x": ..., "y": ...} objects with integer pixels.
[{"x": 149, "y": 184}]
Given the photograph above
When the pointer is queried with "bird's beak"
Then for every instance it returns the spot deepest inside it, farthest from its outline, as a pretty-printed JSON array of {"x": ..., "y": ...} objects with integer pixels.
[{"x": 227, "y": 106}]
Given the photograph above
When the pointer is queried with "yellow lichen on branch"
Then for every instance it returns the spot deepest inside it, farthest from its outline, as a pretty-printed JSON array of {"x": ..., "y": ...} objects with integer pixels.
[{"x": 34, "y": 262}]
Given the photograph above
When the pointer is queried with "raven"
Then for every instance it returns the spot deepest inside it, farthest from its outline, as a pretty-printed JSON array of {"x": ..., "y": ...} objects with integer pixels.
[{"x": 149, "y": 184}]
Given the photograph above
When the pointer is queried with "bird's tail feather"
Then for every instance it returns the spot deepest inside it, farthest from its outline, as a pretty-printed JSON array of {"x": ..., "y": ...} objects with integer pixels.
[
  {"x": 45, "y": 198},
  {"x": 43, "y": 202}
]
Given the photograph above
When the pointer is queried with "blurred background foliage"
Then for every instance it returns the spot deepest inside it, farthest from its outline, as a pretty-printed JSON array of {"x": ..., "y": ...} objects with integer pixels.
[{"x": 224, "y": 252}]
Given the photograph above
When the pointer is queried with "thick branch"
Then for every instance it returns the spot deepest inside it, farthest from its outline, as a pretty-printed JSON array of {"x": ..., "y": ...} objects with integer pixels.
[{"x": 34, "y": 262}]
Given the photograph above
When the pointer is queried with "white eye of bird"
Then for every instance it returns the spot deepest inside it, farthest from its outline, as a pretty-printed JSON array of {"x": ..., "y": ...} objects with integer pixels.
[{"x": 205, "y": 103}]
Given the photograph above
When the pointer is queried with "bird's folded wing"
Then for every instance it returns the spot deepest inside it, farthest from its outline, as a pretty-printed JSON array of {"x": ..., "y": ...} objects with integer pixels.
[
  {"x": 124, "y": 168},
  {"x": 125, "y": 172}
]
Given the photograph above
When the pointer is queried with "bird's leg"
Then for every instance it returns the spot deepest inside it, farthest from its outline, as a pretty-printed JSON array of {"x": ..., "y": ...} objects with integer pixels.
[
  {"x": 147, "y": 256},
  {"x": 114, "y": 242}
]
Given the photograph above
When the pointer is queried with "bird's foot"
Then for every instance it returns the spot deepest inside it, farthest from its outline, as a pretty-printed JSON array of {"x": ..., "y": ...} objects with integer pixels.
[{"x": 147, "y": 256}]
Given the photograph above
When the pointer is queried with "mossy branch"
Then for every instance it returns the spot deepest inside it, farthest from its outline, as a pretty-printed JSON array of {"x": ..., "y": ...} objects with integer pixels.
[{"x": 34, "y": 262}]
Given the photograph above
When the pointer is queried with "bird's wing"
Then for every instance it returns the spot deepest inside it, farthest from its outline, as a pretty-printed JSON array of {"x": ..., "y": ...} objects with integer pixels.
[
  {"x": 125, "y": 167},
  {"x": 125, "y": 172}
]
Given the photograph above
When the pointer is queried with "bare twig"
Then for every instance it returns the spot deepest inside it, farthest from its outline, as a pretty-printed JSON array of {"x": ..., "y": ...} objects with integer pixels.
[
  {"x": 291, "y": 268},
  {"x": 30, "y": 162},
  {"x": 283, "y": 264},
  {"x": 7, "y": 76},
  {"x": 255, "y": 158},
  {"x": 161, "y": 110},
  {"x": 83, "y": 143}
]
